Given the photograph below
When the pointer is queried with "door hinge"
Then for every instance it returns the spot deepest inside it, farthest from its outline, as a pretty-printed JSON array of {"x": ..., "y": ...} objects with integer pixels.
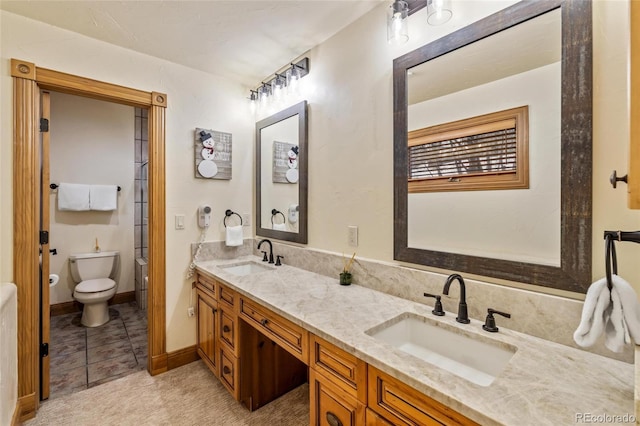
[
  {"x": 44, "y": 350},
  {"x": 44, "y": 125},
  {"x": 44, "y": 237}
]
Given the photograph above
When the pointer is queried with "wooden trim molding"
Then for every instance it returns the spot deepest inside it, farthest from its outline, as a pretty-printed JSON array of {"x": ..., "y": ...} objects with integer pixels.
[
  {"x": 634, "y": 112},
  {"x": 25, "y": 408},
  {"x": 182, "y": 357},
  {"x": 25, "y": 233},
  {"x": 23, "y": 69},
  {"x": 157, "y": 242},
  {"x": 28, "y": 80}
]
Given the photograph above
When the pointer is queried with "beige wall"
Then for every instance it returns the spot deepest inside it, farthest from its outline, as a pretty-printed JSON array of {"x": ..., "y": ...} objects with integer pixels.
[
  {"x": 195, "y": 99},
  {"x": 350, "y": 100},
  {"x": 349, "y": 91},
  {"x": 91, "y": 143}
]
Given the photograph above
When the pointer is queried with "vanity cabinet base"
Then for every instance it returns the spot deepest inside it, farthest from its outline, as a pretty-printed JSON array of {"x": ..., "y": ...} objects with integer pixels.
[{"x": 267, "y": 370}]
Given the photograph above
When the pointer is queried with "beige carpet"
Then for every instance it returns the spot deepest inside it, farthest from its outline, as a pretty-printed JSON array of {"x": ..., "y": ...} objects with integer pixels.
[{"x": 188, "y": 395}]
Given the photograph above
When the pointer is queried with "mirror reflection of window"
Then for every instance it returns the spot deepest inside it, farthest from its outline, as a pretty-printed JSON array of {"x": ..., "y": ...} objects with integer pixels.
[{"x": 518, "y": 66}]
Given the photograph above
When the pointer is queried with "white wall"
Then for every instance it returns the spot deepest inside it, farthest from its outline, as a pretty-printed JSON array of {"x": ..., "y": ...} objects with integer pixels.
[
  {"x": 195, "y": 99},
  {"x": 520, "y": 225},
  {"x": 92, "y": 142}
]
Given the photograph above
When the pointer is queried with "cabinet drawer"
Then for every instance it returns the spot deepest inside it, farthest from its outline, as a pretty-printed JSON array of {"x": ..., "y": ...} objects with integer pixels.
[
  {"x": 373, "y": 419},
  {"x": 229, "y": 374},
  {"x": 342, "y": 368},
  {"x": 403, "y": 405},
  {"x": 291, "y": 337},
  {"x": 207, "y": 283},
  {"x": 331, "y": 406},
  {"x": 228, "y": 329},
  {"x": 225, "y": 295}
]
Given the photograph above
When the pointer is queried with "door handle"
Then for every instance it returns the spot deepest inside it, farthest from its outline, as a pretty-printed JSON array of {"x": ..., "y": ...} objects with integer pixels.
[
  {"x": 226, "y": 328},
  {"x": 333, "y": 420},
  {"x": 53, "y": 251}
]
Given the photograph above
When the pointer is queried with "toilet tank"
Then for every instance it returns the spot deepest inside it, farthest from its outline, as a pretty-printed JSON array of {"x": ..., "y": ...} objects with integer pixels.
[{"x": 87, "y": 266}]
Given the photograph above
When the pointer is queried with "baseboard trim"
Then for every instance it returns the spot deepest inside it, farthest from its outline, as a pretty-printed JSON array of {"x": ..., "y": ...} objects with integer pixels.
[
  {"x": 74, "y": 306},
  {"x": 25, "y": 409},
  {"x": 182, "y": 357},
  {"x": 158, "y": 364}
]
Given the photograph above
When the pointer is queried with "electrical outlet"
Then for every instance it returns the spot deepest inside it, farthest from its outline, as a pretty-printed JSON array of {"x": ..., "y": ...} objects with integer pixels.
[
  {"x": 191, "y": 311},
  {"x": 353, "y": 235},
  {"x": 246, "y": 219}
]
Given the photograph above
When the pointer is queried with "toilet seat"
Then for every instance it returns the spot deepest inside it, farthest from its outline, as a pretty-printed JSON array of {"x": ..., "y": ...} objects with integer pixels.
[{"x": 95, "y": 286}]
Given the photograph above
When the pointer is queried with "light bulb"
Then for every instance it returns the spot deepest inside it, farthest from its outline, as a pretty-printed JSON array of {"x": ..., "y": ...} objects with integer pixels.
[{"x": 398, "y": 22}]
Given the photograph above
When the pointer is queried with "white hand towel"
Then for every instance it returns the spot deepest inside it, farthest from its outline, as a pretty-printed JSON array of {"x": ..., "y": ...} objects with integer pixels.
[
  {"x": 103, "y": 197},
  {"x": 73, "y": 197},
  {"x": 279, "y": 227},
  {"x": 234, "y": 236},
  {"x": 624, "y": 323},
  {"x": 595, "y": 313}
]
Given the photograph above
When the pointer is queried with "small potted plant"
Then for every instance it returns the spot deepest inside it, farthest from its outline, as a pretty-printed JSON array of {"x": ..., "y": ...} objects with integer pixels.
[{"x": 345, "y": 275}]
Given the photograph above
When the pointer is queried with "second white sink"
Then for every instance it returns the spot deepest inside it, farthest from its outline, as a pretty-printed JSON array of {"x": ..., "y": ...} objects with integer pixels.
[
  {"x": 246, "y": 268},
  {"x": 474, "y": 358}
]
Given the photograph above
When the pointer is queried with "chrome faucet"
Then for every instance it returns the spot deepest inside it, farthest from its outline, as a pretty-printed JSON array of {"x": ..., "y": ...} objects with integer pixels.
[
  {"x": 462, "y": 317},
  {"x": 270, "y": 249}
]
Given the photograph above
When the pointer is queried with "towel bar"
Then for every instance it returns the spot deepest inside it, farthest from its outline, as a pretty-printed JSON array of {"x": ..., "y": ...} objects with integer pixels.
[{"x": 55, "y": 186}]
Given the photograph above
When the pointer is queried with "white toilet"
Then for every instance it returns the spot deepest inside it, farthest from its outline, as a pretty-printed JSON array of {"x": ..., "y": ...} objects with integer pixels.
[{"x": 94, "y": 274}]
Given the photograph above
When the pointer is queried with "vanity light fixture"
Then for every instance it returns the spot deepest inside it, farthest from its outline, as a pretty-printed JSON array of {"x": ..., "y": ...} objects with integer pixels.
[
  {"x": 438, "y": 12},
  {"x": 398, "y": 22},
  {"x": 281, "y": 80}
]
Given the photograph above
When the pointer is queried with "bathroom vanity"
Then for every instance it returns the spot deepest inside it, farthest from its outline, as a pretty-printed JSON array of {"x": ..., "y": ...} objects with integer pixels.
[{"x": 333, "y": 336}]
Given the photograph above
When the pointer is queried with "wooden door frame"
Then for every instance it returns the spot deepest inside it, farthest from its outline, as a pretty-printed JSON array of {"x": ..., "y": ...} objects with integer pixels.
[{"x": 28, "y": 80}]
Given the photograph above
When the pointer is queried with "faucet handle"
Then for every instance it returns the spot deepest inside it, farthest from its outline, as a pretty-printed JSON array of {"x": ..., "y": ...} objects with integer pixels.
[
  {"x": 278, "y": 257},
  {"x": 264, "y": 256},
  {"x": 490, "y": 321},
  {"x": 438, "y": 306}
]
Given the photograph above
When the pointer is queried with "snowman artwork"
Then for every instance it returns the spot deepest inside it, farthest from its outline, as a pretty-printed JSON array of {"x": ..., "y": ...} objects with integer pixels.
[
  {"x": 292, "y": 173},
  {"x": 207, "y": 168}
]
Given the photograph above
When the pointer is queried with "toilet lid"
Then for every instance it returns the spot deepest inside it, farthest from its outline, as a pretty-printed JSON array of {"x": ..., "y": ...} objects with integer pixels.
[{"x": 94, "y": 286}]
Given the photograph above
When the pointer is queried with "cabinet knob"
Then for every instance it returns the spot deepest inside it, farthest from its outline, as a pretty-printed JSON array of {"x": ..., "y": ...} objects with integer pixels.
[
  {"x": 264, "y": 321},
  {"x": 333, "y": 420},
  {"x": 614, "y": 179},
  {"x": 226, "y": 370},
  {"x": 226, "y": 328}
]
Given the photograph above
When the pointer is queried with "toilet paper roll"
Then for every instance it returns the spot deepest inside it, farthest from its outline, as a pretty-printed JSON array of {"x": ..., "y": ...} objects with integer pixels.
[{"x": 53, "y": 280}]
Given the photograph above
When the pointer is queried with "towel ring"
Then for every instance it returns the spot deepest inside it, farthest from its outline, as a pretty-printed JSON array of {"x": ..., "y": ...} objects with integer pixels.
[
  {"x": 229, "y": 213},
  {"x": 611, "y": 260},
  {"x": 275, "y": 212}
]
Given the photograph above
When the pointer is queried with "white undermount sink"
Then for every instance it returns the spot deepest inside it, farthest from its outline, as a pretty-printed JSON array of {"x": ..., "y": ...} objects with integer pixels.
[
  {"x": 246, "y": 268},
  {"x": 475, "y": 358}
]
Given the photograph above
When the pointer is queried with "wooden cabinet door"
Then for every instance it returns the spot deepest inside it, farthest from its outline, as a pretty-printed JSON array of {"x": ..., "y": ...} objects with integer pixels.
[
  {"x": 332, "y": 406},
  {"x": 207, "y": 325}
]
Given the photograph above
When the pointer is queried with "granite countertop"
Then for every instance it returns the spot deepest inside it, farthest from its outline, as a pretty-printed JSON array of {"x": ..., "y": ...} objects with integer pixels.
[{"x": 544, "y": 383}]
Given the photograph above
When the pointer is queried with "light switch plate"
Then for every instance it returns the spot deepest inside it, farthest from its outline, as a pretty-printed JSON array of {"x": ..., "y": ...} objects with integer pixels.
[
  {"x": 179, "y": 221},
  {"x": 246, "y": 219}
]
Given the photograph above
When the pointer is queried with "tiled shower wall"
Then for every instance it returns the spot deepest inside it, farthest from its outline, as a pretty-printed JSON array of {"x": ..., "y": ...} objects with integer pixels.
[{"x": 141, "y": 204}]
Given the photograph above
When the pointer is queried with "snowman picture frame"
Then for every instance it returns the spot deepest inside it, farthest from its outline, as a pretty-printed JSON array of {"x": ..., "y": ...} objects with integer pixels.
[
  {"x": 285, "y": 162},
  {"x": 212, "y": 151}
]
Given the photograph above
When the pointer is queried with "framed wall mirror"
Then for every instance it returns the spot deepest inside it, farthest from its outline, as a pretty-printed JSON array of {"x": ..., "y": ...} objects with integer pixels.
[
  {"x": 450, "y": 101},
  {"x": 281, "y": 175}
]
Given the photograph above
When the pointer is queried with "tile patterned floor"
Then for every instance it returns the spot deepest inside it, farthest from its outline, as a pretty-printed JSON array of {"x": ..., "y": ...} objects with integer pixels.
[{"x": 83, "y": 357}]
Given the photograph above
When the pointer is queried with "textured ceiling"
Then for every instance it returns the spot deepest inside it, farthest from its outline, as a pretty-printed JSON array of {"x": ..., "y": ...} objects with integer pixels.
[{"x": 243, "y": 40}]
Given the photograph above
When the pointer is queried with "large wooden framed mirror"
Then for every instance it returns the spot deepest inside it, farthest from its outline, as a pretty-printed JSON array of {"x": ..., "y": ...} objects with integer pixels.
[
  {"x": 281, "y": 175},
  {"x": 534, "y": 54}
]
